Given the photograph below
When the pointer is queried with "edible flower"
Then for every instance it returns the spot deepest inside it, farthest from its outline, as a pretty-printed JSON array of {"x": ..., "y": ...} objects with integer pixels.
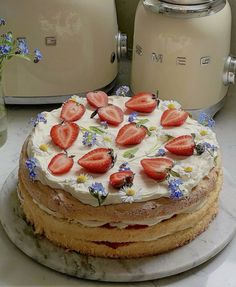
[
  {"x": 205, "y": 146},
  {"x": 205, "y": 120},
  {"x": 8, "y": 37},
  {"x": 188, "y": 169},
  {"x": 105, "y": 140},
  {"x": 31, "y": 164},
  {"x": 22, "y": 47},
  {"x": 2, "y": 22},
  {"x": 104, "y": 124},
  {"x": 203, "y": 133},
  {"x": 161, "y": 152},
  {"x": 152, "y": 129},
  {"x": 43, "y": 147},
  {"x": 210, "y": 147},
  {"x": 84, "y": 178},
  {"x": 122, "y": 91},
  {"x": 77, "y": 99},
  {"x": 129, "y": 194},
  {"x": 89, "y": 139},
  {"x": 124, "y": 166},
  {"x": 174, "y": 188},
  {"x": 164, "y": 105},
  {"x": 133, "y": 117},
  {"x": 39, "y": 118},
  {"x": 37, "y": 56},
  {"x": 98, "y": 191}
]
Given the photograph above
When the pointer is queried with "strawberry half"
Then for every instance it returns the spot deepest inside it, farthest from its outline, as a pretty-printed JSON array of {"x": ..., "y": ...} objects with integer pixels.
[
  {"x": 121, "y": 178},
  {"x": 72, "y": 111},
  {"x": 173, "y": 118},
  {"x": 98, "y": 160},
  {"x": 143, "y": 103},
  {"x": 97, "y": 99},
  {"x": 183, "y": 145},
  {"x": 60, "y": 164},
  {"x": 111, "y": 114},
  {"x": 64, "y": 135},
  {"x": 131, "y": 134},
  {"x": 157, "y": 168}
]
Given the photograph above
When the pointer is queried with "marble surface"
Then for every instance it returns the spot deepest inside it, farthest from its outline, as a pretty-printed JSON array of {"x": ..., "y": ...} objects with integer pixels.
[
  {"x": 208, "y": 244},
  {"x": 16, "y": 269}
]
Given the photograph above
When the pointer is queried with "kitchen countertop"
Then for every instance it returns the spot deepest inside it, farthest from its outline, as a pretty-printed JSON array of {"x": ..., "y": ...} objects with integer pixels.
[{"x": 16, "y": 269}]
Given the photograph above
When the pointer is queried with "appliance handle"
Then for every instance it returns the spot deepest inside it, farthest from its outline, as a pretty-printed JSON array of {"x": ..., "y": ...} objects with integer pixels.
[{"x": 229, "y": 71}]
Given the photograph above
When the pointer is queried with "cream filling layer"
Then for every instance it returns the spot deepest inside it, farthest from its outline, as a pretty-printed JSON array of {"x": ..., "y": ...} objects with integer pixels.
[
  {"x": 148, "y": 188},
  {"x": 122, "y": 225}
]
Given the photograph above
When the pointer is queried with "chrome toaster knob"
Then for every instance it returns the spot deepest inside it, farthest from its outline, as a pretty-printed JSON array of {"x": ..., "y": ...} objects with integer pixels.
[
  {"x": 121, "y": 45},
  {"x": 229, "y": 71}
]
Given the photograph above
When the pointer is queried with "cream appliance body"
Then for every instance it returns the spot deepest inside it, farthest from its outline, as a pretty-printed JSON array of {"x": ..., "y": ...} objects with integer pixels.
[
  {"x": 79, "y": 41},
  {"x": 183, "y": 51}
]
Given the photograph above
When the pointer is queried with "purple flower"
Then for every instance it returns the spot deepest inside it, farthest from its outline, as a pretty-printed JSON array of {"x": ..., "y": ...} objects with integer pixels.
[
  {"x": 89, "y": 139},
  {"x": 98, "y": 191},
  {"x": 210, "y": 147},
  {"x": 205, "y": 120},
  {"x": 122, "y": 91},
  {"x": 4, "y": 49},
  {"x": 104, "y": 124},
  {"x": 31, "y": 164},
  {"x": 37, "y": 56},
  {"x": 133, "y": 117},
  {"x": 22, "y": 47},
  {"x": 124, "y": 166},
  {"x": 8, "y": 37},
  {"x": 2, "y": 22},
  {"x": 39, "y": 118},
  {"x": 174, "y": 188},
  {"x": 161, "y": 152}
]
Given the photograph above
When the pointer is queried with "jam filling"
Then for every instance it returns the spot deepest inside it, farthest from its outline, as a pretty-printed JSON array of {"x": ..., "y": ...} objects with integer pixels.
[
  {"x": 113, "y": 245},
  {"x": 135, "y": 226}
]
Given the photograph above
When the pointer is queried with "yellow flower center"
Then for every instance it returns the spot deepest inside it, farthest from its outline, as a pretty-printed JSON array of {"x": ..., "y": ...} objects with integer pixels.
[
  {"x": 74, "y": 99},
  {"x": 171, "y": 106},
  {"x": 203, "y": 133},
  {"x": 43, "y": 147},
  {"x": 107, "y": 139},
  {"x": 152, "y": 129},
  {"x": 188, "y": 169},
  {"x": 82, "y": 178},
  {"x": 130, "y": 192}
]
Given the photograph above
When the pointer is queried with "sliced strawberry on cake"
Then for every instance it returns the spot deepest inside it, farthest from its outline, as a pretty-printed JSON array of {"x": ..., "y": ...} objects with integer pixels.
[
  {"x": 143, "y": 103},
  {"x": 182, "y": 145},
  {"x": 64, "y": 134},
  {"x": 60, "y": 164},
  {"x": 111, "y": 114},
  {"x": 97, "y": 99},
  {"x": 121, "y": 178},
  {"x": 99, "y": 160},
  {"x": 157, "y": 168},
  {"x": 72, "y": 111},
  {"x": 173, "y": 118},
  {"x": 131, "y": 134}
]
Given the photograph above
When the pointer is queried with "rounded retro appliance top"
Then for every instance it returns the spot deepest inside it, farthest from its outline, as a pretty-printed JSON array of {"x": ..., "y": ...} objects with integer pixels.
[{"x": 185, "y": 8}]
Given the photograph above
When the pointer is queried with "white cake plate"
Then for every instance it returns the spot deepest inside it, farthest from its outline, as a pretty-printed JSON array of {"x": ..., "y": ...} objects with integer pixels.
[{"x": 204, "y": 247}]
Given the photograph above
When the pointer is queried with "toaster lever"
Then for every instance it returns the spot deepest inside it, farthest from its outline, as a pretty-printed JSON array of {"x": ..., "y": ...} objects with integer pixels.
[{"x": 229, "y": 71}]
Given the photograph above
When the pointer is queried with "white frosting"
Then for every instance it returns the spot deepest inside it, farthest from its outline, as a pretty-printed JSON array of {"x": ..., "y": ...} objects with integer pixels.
[
  {"x": 124, "y": 224},
  {"x": 150, "y": 189}
]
